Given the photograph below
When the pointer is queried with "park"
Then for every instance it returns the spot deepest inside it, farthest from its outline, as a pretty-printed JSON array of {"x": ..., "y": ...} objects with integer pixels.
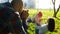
[{"x": 49, "y": 9}]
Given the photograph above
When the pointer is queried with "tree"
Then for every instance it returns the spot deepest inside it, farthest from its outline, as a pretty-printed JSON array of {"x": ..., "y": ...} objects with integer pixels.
[{"x": 55, "y": 11}]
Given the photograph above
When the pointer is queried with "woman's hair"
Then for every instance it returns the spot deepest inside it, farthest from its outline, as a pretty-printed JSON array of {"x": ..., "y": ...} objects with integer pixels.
[{"x": 51, "y": 24}]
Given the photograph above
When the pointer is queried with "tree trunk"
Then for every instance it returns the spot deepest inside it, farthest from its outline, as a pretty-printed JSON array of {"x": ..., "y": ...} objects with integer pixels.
[
  {"x": 54, "y": 10},
  {"x": 55, "y": 14}
]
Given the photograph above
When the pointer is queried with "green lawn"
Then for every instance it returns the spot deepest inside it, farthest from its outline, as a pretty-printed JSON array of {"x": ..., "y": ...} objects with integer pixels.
[{"x": 46, "y": 14}]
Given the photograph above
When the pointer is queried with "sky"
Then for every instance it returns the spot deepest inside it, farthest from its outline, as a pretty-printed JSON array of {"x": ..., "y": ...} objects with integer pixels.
[{"x": 41, "y": 4}]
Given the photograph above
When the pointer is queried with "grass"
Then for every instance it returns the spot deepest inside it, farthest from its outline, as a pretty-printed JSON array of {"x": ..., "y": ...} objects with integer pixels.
[{"x": 46, "y": 14}]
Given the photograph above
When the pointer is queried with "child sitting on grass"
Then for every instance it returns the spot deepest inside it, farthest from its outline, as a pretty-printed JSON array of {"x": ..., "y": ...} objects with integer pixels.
[
  {"x": 36, "y": 19},
  {"x": 43, "y": 28}
]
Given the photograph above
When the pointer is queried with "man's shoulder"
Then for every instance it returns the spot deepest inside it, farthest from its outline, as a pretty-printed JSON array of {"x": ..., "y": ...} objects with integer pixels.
[{"x": 6, "y": 4}]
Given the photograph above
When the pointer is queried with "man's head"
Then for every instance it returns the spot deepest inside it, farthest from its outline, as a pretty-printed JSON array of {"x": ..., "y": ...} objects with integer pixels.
[{"x": 17, "y": 5}]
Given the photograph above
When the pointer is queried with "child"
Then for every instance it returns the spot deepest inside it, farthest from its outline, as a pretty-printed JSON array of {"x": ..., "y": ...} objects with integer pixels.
[
  {"x": 36, "y": 19},
  {"x": 43, "y": 28},
  {"x": 24, "y": 15}
]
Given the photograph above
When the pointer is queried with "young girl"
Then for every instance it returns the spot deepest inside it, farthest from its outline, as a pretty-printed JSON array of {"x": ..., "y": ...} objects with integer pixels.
[{"x": 43, "y": 28}]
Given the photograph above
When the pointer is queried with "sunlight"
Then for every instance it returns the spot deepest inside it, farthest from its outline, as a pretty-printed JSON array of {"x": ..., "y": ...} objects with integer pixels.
[
  {"x": 46, "y": 4},
  {"x": 0, "y": 1}
]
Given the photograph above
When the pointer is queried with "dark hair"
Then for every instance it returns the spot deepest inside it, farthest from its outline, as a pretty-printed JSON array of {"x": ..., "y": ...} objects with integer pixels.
[
  {"x": 51, "y": 24},
  {"x": 17, "y": 1}
]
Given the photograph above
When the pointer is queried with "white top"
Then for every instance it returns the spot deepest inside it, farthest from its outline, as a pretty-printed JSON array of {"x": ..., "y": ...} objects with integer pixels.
[
  {"x": 18, "y": 14},
  {"x": 42, "y": 29}
]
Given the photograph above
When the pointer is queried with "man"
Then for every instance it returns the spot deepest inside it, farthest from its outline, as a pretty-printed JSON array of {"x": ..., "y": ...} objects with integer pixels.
[
  {"x": 23, "y": 13},
  {"x": 8, "y": 16}
]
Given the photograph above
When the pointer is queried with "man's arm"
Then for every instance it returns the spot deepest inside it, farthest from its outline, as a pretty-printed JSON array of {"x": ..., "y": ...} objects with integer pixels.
[{"x": 17, "y": 25}]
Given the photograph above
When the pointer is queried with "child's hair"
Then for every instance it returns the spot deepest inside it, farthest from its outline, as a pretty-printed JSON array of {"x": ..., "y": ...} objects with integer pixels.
[
  {"x": 51, "y": 24},
  {"x": 39, "y": 14},
  {"x": 24, "y": 14}
]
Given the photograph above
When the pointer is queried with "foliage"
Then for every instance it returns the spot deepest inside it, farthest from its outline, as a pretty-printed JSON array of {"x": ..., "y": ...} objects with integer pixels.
[{"x": 46, "y": 14}]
